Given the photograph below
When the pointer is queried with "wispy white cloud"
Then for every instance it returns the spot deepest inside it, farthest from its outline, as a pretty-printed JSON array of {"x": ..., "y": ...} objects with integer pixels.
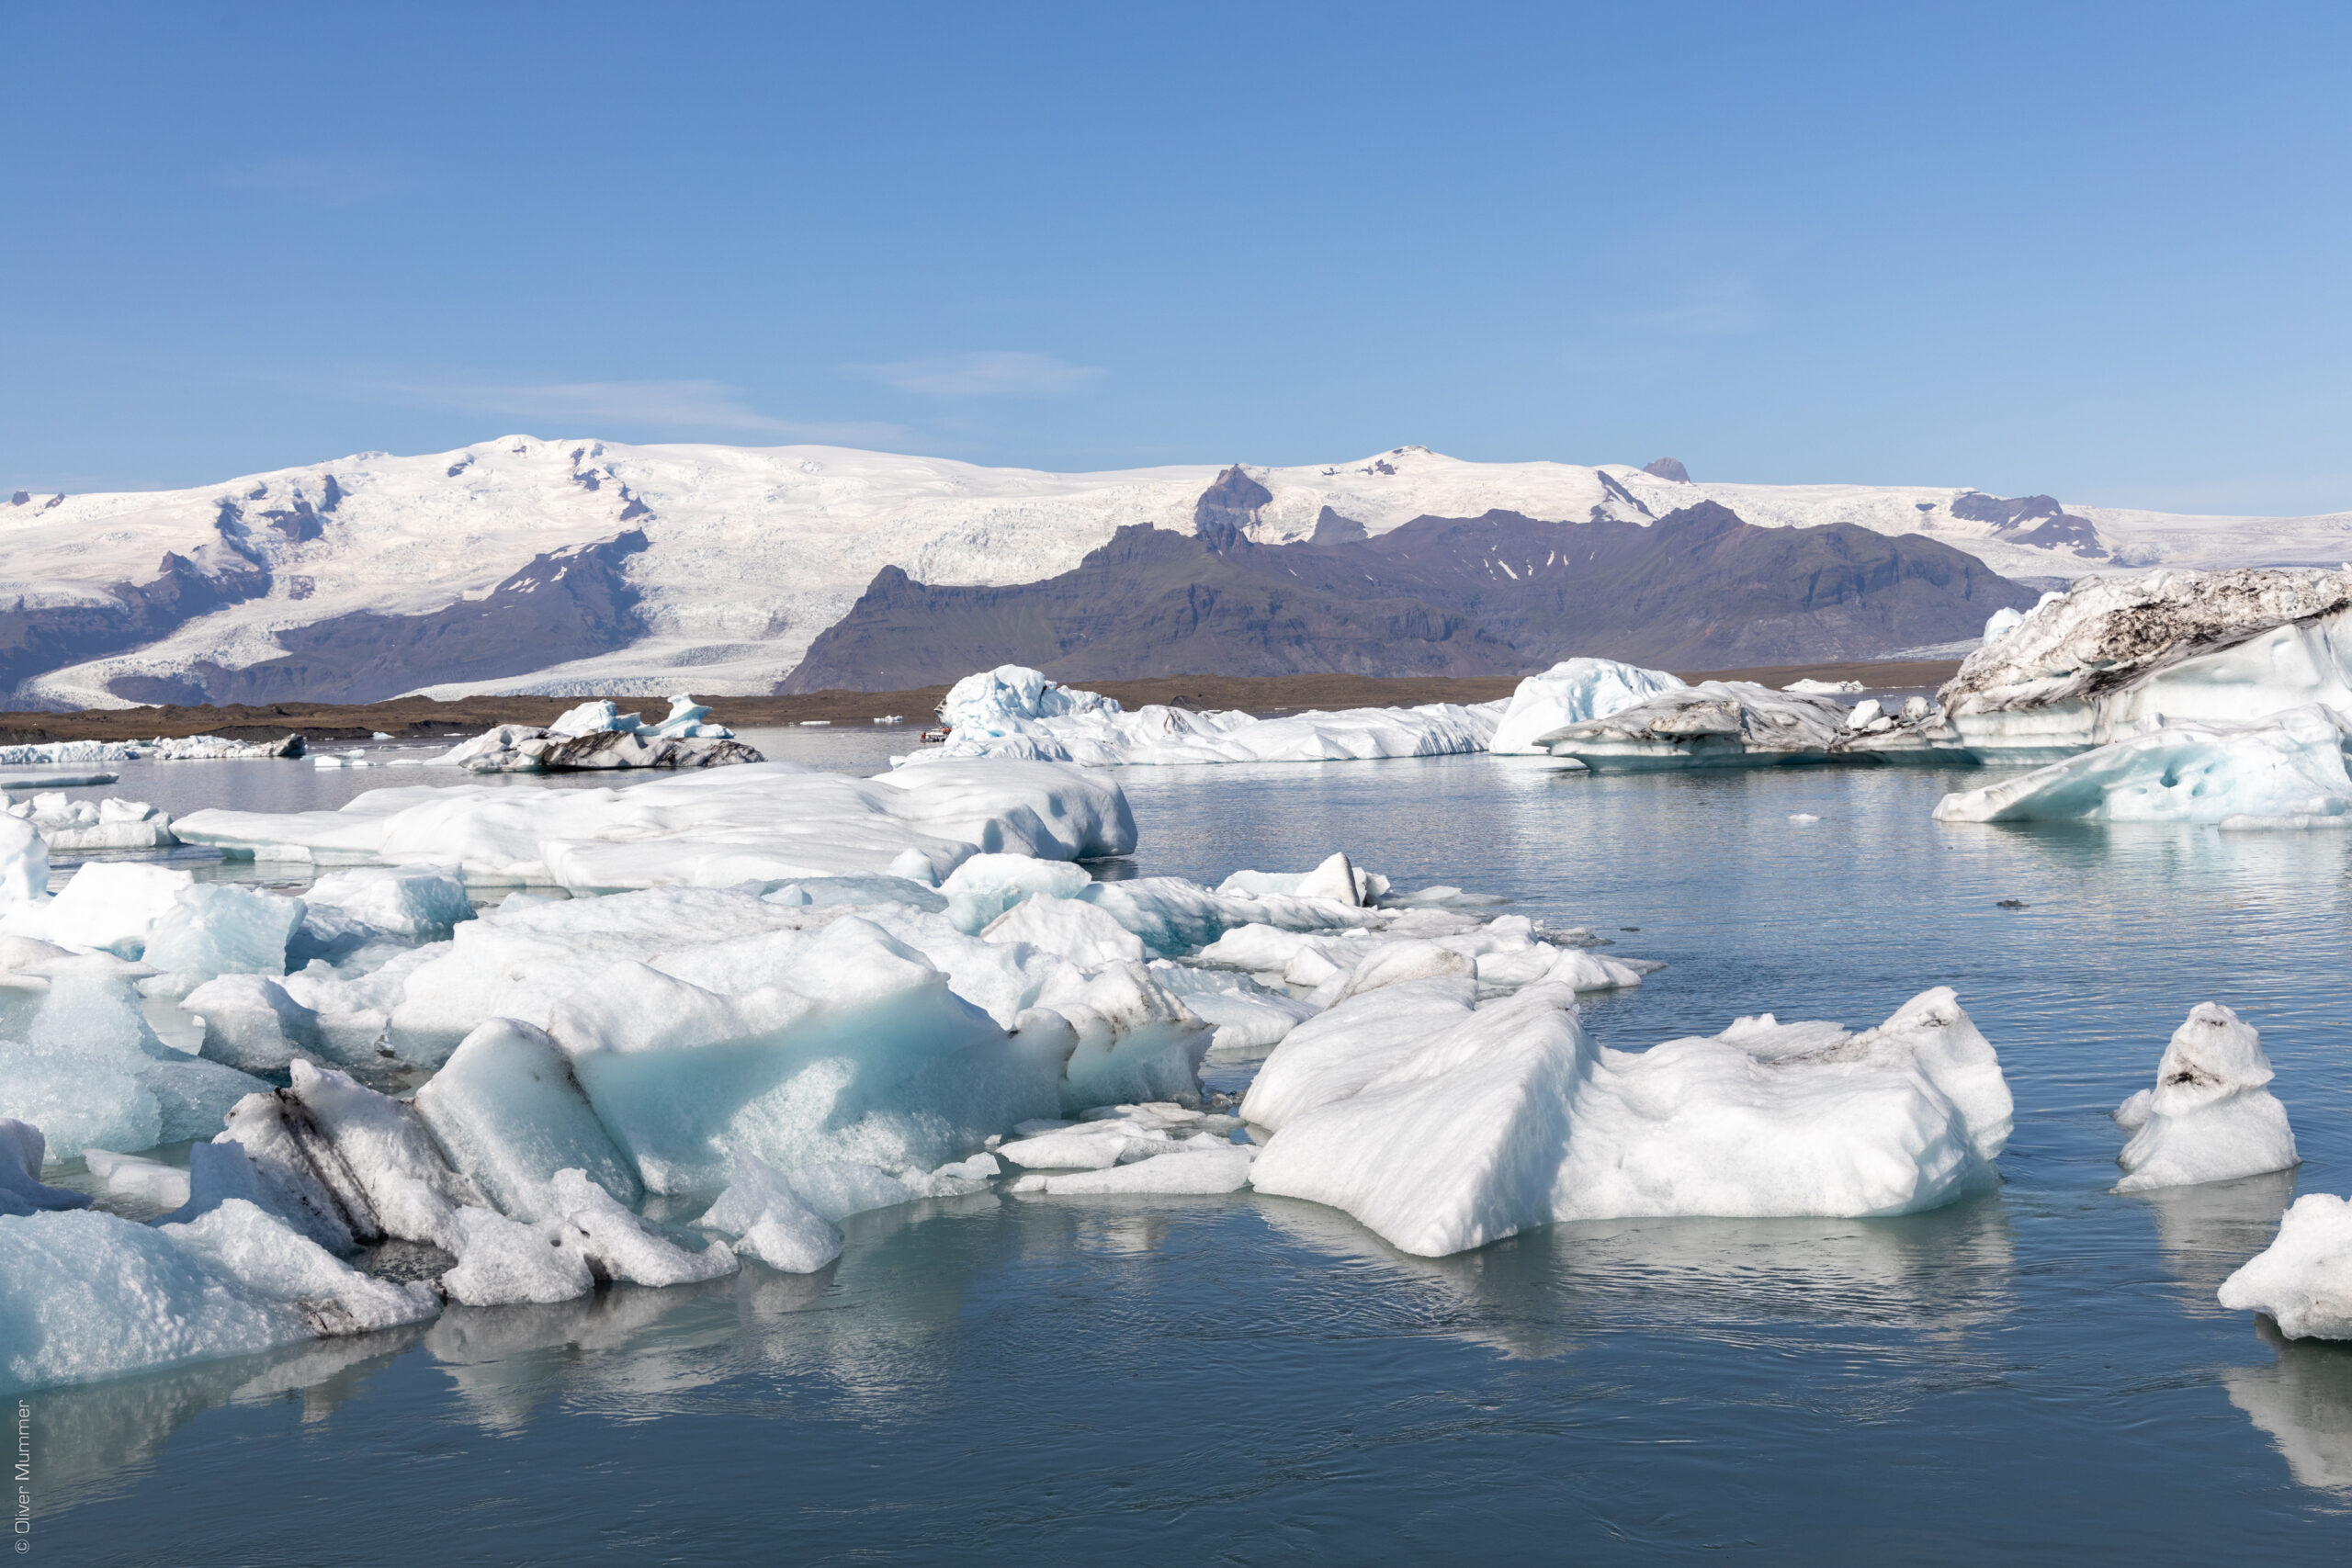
[
  {"x": 1708, "y": 307},
  {"x": 1004, "y": 373},
  {"x": 318, "y": 179},
  {"x": 661, "y": 405}
]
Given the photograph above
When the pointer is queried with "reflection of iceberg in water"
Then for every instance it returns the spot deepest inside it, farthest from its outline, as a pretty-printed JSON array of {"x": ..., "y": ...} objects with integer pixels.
[
  {"x": 506, "y": 1362},
  {"x": 1934, "y": 1276},
  {"x": 2303, "y": 1403},
  {"x": 2205, "y": 1232},
  {"x": 89, "y": 1432}
]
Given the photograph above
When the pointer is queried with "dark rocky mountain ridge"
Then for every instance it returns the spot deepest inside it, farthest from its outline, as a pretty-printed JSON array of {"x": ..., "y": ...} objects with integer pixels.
[{"x": 1497, "y": 594}]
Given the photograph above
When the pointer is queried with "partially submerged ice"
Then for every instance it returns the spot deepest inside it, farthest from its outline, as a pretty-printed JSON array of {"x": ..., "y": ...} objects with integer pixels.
[
  {"x": 1573, "y": 691},
  {"x": 2286, "y": 770},
  {"x": 1015, "y": 711},
  {"x": 2303, "y": 1279},
  {"x": 1510, "y": 1117},
  {"x": 2210, "y": 1116}
]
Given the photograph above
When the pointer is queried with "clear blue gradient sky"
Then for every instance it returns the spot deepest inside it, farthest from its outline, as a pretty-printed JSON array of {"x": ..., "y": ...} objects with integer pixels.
[{"x": 2100, "y": 250}]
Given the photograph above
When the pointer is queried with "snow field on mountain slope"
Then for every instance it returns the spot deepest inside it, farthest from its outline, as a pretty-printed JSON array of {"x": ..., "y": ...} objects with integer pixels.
[{"x": 754, "y": 551}]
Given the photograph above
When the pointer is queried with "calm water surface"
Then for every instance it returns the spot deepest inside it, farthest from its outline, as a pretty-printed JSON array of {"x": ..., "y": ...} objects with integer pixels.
[{"x": 2039, "y": 1372}]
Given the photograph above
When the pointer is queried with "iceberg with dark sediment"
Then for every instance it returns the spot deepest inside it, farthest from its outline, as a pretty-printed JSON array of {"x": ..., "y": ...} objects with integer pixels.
[
  {"x": 2210, "y": 1115},
  {"x": 597, "y": 736},
  {"x": 1739, "y": 723},
  {"x": 2116, "y": 656}
]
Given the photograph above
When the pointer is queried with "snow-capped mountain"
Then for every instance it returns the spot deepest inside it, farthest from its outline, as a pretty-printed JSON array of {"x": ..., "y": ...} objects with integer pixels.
[{"x": 588, "y": 567}]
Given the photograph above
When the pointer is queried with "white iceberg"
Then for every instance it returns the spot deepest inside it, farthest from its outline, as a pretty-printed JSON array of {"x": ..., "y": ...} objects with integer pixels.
[
  {"x": 274, "y": 1261},
  {"x": 1808, "y": 687},
  {"x": 510, "y": 1115},
  {"x": 598, "y": 735},
  {"x": 2304, "y": 1279},
  {"x": 2209, "y": 1117},
  {"x": 1570, "y": 693},
  {"x": 1513, "y": 1118},
  {"x": 1013, "y": 712},
  {"x": 2286, "y": 770}
]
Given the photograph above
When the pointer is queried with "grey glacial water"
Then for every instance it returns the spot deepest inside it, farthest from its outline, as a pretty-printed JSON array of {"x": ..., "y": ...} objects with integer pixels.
[{"x": 2039, "y": 1373}]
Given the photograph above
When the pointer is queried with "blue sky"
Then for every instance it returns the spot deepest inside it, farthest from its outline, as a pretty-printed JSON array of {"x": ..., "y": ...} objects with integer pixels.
[{"x": 2096, "y": 251}]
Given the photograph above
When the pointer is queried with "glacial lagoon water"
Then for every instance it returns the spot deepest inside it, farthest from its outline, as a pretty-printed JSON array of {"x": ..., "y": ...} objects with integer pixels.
[{"x": 2039, "y": 1372}]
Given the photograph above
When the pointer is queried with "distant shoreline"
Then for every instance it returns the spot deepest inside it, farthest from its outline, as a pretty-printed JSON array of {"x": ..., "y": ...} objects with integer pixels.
[{"x": 417, "y": 717}]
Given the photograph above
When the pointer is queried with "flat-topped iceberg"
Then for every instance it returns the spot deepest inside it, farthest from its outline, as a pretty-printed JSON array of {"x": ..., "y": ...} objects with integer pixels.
[
  {"x": 2285, "y": 771},
  {"x": 2117, "y": 656},
  {"x": 1511, "y": 1117},
  {"x": 1015, "y": 711},
  {"x": 1736, "y": 724},
  {"x": 80, "y": 826},
  {"x": 766, "y": 820},
  {"x": 2210, "y": 1116}
]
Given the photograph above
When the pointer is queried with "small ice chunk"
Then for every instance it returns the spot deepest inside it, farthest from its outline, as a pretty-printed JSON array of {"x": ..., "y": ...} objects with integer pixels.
[
  {"x": 1802, "y": 817},
  {"x": 251, "y": 1023},
  {"x": 503, "y": 1262},
  {"x": 24, "y": 862},
  {"x": 1336, "y": 878},
  {"x": 772, "y": 1224},
  {"x": 1865, "y": 714},
  {"x": 2209, "y": 1118},
  {"x": 112, "y": 905},
  {"x": 2303, "y": 1279},
  {"x": 1193, "y": 1172},
  {"x": 133, "y": 1180},
  {"x": 416, "y": 903},
  {"x": 620, "y": 1246},
  {"x": 1079, "y": 931}
]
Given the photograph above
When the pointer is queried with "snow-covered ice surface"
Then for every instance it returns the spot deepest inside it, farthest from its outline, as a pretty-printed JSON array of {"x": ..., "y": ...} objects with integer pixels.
[
  {"x": 2067, "y": 1340},
  {"x": 749, "y": 552},
  {"x": 1015, "y": 711}
]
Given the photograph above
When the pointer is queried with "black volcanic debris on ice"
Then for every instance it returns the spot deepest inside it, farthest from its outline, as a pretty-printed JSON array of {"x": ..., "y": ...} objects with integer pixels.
[{"x": 1497, "y": 594}]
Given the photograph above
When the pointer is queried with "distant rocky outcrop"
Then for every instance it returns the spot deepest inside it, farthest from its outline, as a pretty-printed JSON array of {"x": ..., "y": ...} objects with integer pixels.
[
  {"x": 1494, "y": 594},
  {"x": 2032, "y": 520},
  {"x": 1669, "y": 468}
]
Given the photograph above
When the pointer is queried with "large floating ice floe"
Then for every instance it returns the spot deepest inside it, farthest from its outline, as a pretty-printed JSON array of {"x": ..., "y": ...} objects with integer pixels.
[
  {"x": 2209, "y": 1117},
  {"x": 766, "y": 820},
  {"x": 174, "y": 749},
  {"x": 1738, "y": 724},
  {"x": 1510, "y": 1117},
  {"x": 1013, "y": 712},
  {"x": 2287, "y": 771},
  {"x": 2304, "y": 1279},
  {"x": 79, "y": 825},
  {"x": 2118, "y": 656}
]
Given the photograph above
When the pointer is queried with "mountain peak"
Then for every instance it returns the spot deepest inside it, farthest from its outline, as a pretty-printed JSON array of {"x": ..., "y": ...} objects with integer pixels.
[{"x": 1669, "y": 468}]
